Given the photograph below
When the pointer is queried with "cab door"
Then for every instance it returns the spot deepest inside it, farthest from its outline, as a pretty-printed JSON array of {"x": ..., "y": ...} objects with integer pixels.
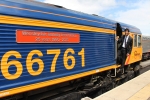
[{"x": 118, "y": 33}]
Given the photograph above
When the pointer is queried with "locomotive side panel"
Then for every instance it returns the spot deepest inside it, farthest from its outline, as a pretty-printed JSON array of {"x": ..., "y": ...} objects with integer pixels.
[{"x": 25, "y": 64}]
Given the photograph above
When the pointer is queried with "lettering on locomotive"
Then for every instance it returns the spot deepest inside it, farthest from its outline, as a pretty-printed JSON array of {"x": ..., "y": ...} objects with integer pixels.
[
  {"x": 31, "y": 36},
  {"x": 136, "y": 54}
]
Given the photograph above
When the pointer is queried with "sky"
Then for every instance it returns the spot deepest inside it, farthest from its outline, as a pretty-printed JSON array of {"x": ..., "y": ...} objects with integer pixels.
[{"x": 133, "y": 12}]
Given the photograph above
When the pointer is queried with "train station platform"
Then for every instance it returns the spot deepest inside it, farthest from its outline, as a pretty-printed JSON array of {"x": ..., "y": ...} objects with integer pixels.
[{"x": 135, "y": 89}]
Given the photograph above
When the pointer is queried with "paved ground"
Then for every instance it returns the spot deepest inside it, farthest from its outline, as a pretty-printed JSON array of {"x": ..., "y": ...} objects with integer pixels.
[{"x": 143, "y": 94}]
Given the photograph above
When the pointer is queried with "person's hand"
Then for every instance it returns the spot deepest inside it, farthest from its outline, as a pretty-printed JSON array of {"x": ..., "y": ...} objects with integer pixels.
[
  {"x": 117, "y": 38},
  {"x": 128, "y": 54}
]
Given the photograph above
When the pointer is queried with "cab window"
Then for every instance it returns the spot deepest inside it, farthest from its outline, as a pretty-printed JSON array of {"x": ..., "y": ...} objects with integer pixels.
[
  {"x": 139, "y": 40},
  {"x": 135, "y": 40}
]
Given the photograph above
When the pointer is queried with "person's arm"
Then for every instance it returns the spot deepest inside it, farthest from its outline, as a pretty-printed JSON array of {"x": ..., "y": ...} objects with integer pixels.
[{"x": 119, "y": 40}]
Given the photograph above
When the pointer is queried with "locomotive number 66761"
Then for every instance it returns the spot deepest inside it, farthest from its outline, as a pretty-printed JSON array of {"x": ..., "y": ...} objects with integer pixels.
[{"x": 5, "y": 64}]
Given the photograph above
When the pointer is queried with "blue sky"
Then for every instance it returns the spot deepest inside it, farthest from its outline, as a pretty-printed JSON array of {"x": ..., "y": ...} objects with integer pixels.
[{"x": 133, "y": 12}]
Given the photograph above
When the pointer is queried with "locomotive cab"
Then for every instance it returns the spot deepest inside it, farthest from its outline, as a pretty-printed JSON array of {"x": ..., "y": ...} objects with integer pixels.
[{"x": 136, "y": 53}]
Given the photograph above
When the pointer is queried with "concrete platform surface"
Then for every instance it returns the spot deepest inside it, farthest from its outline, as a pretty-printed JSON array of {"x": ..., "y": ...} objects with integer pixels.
[{"x": 135, "y": 89}]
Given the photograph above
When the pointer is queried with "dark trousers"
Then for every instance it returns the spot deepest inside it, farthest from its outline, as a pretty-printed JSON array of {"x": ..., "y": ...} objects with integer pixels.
[{"x": 124, "y": 56}]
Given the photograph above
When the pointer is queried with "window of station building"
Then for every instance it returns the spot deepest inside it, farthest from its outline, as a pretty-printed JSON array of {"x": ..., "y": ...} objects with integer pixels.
[
  {"x": 139, "y": 40},
  {"x": 135, "y": 40}
]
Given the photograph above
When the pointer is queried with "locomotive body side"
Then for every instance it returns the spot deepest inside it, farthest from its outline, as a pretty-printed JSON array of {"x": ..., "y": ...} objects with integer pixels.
[
  {"x": 27, "y": 65},
  {"x": 35, "y": 64}
]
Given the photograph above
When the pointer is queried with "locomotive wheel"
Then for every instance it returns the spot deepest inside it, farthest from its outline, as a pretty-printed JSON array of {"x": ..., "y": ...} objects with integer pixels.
[
  {"x": 117, "y": 83},
  {"x": 98, "y": 93},
  {"x": 137, "y": 70},
  {"x": 130, "y": 75},
  {"x": 109, "y": 84},
  {"x": 125, "y": 79}
]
